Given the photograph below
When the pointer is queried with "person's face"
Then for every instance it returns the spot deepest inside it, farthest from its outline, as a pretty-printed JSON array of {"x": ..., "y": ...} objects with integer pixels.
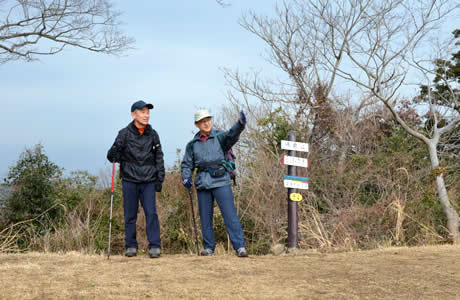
[
  {"x": 205, "y": 125},
  {"x": 141, "y": 117}
]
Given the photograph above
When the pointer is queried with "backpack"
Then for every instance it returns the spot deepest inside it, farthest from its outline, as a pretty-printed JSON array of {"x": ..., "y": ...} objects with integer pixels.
[{"x": 229, "y": 161}]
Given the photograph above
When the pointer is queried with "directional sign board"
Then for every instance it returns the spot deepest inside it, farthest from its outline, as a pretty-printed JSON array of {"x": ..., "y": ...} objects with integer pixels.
[
  {"x": 295, "y": 182},
  {"x": 295, "y": 161},
  {"x": 296, "y": 146}
]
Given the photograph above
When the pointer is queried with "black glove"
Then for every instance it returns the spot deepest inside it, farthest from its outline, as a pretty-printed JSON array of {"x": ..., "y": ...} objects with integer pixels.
[
  {"x": 188, "y": 183},
  {"x": 158, "y": 187},
  {"x": 114, "y": 155},
  {"x": 242, "y": 118}
]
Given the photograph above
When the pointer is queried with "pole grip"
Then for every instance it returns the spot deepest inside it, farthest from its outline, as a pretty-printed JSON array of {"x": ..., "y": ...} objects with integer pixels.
[{"x": 113, "y": 175}]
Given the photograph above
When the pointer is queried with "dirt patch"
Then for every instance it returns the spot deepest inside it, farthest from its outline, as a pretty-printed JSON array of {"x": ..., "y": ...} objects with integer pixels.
[{"x": 396, "y": 273}]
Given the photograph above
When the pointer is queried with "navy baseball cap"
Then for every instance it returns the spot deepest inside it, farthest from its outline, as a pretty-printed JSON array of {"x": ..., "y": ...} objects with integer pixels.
[{"x": 140, "y": 104}]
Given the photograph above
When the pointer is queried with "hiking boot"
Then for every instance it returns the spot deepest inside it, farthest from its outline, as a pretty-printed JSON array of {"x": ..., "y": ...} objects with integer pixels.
[
  {"x": 241, "y": 252},
  {"x": 207, "y": 252},
  {"x": 130, "y": 252},
  {"x": 154, "y": 252}
]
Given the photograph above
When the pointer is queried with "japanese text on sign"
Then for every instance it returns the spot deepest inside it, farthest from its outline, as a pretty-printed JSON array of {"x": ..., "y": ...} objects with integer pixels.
[
  {"x": 295, "y": 197},
  {"x": 295, "y": 146},
  {"x": 295, "y": 161},
  {"x": 295, "y": 184}
]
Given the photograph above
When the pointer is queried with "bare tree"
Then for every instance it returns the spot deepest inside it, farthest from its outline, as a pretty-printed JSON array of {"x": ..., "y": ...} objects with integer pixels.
[
  {"x": 376, "y": 46},
  {"x": 31, "y": 28},
  {"x": 305, "y": 88},
  {"x": 382, "y": 53}
]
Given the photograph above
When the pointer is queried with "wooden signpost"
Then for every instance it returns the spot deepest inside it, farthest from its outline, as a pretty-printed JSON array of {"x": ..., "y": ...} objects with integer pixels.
[{"x": 292, "y": 182}]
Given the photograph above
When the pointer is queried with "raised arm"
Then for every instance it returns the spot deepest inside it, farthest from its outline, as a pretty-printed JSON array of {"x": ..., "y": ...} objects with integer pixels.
[{"x": 230, "y": 137}]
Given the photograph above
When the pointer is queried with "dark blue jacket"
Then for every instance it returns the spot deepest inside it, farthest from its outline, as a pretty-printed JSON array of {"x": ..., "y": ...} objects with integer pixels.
[{"x": 199, "y": 154}]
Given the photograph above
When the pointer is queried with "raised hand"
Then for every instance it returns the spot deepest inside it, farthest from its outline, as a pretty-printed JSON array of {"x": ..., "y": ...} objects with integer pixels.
[{"x": 242, "y": 118}]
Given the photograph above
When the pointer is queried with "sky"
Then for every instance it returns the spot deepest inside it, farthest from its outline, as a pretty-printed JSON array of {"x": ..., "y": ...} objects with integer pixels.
[{"x": 74, "y": 103}]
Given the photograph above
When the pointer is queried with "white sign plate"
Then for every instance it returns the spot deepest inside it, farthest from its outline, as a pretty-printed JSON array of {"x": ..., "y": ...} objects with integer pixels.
[
  {"x": 296, "y": 146},
  {"x": 295, "y": 161},
  {"x": 295, "y": 184}
]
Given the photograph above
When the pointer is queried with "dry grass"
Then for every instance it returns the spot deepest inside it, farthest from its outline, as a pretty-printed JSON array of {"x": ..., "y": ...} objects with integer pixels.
[{"x": 394, "y": 273}]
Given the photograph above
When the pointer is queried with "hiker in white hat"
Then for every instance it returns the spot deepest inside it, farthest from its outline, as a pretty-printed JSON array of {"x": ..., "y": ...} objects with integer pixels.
[{"x": 208, "y": 151}]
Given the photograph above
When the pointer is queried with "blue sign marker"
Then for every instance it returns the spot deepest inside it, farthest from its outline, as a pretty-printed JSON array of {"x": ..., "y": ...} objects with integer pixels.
[{"x": 295, "y": 178}]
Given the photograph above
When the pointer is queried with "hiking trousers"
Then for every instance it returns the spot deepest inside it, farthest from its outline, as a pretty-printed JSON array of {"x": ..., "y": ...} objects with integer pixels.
[
  {"x": 224, "y": 198},
  {"x": 145, "y": 193}
]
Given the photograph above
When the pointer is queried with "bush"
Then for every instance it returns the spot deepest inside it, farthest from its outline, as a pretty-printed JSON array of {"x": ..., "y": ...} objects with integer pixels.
[{"x": 32, "y": 183}]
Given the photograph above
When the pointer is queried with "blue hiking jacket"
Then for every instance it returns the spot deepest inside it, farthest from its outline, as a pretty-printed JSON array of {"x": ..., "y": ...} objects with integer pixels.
[{"x": 199, "y": 154}]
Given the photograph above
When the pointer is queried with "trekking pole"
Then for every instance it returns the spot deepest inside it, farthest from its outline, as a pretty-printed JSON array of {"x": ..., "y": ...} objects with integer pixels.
[
  {"x": 194, "y": 224},
  {"x": 111, "y": 205}
]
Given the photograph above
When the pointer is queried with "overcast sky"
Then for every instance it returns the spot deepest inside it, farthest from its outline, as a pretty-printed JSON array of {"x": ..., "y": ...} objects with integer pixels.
[{"x": 75, "y": 102}]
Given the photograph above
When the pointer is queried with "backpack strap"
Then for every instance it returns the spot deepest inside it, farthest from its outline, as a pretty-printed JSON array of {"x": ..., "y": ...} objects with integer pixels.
[{"x": 228, "y": 164}]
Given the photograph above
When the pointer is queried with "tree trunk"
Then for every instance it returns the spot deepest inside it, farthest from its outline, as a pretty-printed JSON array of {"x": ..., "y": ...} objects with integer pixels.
[{"x": 453, "y": 219}]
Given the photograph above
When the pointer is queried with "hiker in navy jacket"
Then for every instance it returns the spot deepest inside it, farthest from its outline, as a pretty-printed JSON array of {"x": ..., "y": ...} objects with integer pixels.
[
  {"x": 206, "y": 152},
  {"x": 138, "y": 150}
]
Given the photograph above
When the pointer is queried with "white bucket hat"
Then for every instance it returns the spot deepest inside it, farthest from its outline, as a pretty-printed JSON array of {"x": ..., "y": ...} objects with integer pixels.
[{"x": 201, "y": 114}]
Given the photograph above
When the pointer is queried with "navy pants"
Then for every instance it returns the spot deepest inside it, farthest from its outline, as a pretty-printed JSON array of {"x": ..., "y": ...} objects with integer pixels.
[
  {"x": 224, "y": 198},
  {"x": 145, "y": 192}
]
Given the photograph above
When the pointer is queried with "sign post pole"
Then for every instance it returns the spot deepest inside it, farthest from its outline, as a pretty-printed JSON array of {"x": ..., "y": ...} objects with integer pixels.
[
  {"x": 292, "y": 182},
  {"x": 292, "y": 205}
]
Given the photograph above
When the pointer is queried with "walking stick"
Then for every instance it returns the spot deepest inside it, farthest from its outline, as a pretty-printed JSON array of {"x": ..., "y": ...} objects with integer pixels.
[
  {"x": 111, "y": 205},
  {"x": 194, "y": 224}
]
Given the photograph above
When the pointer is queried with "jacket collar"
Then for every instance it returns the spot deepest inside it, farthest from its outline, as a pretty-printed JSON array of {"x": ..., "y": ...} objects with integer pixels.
[
  {"x": 133, "y": 128},
  {"x": 211, "y": 135}
]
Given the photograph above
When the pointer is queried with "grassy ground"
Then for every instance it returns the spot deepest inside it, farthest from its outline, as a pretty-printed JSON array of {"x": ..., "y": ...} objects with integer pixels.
[{"x": 395, "y": 273}]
